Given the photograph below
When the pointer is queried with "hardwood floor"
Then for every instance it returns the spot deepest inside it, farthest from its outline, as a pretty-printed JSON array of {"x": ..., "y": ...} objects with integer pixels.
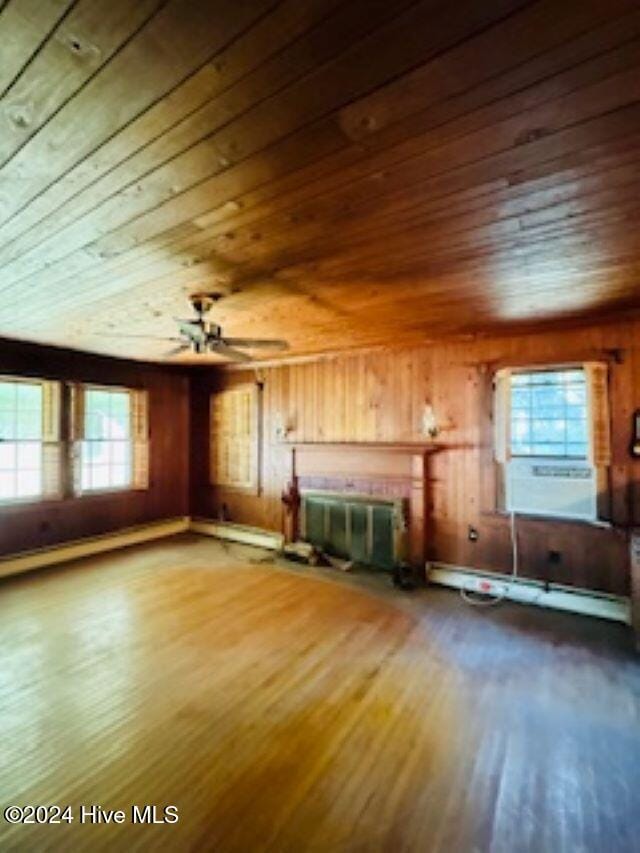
[{"x": 290, "y": 709}]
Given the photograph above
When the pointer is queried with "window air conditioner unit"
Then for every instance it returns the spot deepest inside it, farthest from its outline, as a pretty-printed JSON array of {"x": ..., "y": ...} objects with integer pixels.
[{"x": 561, "y": 488}]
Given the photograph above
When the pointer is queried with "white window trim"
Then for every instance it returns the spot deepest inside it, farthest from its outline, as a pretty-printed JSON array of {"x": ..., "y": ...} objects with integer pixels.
[
  {"x": 139, "y": 439},
  {"x": 50, "y": 441},
  {"x": 598, "y": 416}
]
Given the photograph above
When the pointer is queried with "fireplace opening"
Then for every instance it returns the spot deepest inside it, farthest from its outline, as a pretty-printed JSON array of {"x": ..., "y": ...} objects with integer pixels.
[{"x": 368, "y": 530}]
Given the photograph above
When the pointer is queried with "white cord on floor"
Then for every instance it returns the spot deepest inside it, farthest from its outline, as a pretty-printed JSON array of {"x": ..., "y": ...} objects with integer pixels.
[{"x": 488, "y": 600}]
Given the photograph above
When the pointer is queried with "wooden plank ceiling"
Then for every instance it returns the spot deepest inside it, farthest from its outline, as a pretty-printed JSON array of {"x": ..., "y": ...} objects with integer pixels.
[{"x": 347, "y": 173}]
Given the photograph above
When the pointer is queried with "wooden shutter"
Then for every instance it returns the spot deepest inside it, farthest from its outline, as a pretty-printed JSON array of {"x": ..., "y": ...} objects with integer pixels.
[
  {"x": 502, "y": 416},
  {"x": 140, "y": 439},
  {"x": 597, "y": 376},
  {"x": 76, "y": 436},
  {"x": 234, "y": 437},
  {"x": 76, "y": 420},
  {"x": 51, "y": 440}
]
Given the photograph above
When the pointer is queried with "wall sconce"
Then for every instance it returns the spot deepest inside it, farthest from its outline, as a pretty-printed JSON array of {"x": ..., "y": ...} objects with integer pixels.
[
  {"x": 428, "y": 422},
  {"x": 284, "y": 427}
]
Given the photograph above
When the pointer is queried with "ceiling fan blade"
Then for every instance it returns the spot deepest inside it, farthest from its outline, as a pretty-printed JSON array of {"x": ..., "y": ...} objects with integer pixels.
[
  {"x": 223, "y": 348},
  {"x": 177, "y": 350},
  {"x": 142, "y": 337},
  {"x": 256, "y": 343}
]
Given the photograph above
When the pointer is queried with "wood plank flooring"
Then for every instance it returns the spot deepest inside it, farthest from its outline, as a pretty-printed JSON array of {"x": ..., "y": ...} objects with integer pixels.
[{"x": 289, "y": 709}]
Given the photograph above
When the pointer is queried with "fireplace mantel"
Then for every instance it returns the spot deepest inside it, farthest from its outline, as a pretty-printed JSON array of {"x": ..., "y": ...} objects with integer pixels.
[
  {"x": 383, "y": 446},
  {"x": 394, "y": 469}
]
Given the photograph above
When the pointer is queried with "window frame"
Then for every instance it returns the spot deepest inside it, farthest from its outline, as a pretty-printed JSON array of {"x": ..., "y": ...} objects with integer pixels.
[
  {"x": 60, "y": 442},
  {"x": 553, "y": 456},
  {"x": 50, "y": 438},
  {"x": 82, "y": 490},
  {"x": 139, "y": 467},
  {"x": 493, "y": 484}
]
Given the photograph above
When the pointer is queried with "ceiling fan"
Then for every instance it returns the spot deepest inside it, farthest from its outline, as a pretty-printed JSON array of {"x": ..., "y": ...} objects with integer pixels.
[{"x": 202, "y": 336}]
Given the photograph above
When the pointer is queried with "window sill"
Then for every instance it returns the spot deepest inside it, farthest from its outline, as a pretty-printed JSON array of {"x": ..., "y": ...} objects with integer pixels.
[
  {"x": 547, "y": 519},
  {"x": 25, "y": 503},
  {"x": 96, "y": 494},
  {"x": 114, "y": 490},
  {"x": 36, "y": 503}
]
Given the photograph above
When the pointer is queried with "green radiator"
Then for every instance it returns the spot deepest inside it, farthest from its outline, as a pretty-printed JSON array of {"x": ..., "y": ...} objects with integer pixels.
[{"x": 353, "y": 528}]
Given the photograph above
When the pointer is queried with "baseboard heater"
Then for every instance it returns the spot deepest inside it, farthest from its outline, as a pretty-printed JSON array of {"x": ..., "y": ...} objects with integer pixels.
[
  {"x": 64, "y": 552},
  {"x": 525, "y": 591},
  {"x": 241, "y": 533}
]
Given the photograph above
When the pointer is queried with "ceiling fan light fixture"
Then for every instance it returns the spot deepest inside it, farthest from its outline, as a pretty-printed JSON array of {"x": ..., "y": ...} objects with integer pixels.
[{"x": 202, "y": 336}]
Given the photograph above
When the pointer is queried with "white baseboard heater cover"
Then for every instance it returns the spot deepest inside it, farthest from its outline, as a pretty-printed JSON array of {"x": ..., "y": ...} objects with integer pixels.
[
  {"x": 525, "y": 591},
  {"x": 25, "y": 561},
  {"x": 64, "y": 552},
  {"x": 241, "y": 533},
  {"x": 522, "y": 590}
]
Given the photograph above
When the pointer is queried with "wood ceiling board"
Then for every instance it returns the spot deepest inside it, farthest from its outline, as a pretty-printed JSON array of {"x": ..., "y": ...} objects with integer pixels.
[
  {"x": 296, "y": 216},
  {"x": 316, "y": 93},
  {"x": 458, "y": 224},
  {"x": 490, "y": 150},
  {"x": 147, "y": 187},
  {"x": 178, "y": 39},
  {"x": 24, "y": 25},
  {"x": 538, "y": 41},
  {"x": 411, "y": 300},
  {"x": 84, "y": 41},
  {"x": 446, "y": 151},
  {"x": 192, "y": 120},
  {"x": 227, "y": 66}
]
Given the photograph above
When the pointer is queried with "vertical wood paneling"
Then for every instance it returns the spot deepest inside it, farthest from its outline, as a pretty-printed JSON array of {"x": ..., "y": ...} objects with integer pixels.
[
  {"x": 634, "y": 464},
  {"x": 378, "y": 396}
]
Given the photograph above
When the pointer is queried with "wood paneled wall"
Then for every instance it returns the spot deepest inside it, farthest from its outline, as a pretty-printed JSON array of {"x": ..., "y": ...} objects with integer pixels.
[
  {"x": 378, "y": 397},
  {"x": 26, "y": 526}
]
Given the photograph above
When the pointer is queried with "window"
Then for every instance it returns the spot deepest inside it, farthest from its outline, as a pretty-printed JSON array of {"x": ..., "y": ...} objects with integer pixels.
[
  {"x": 29, "y": 439},
  {"x": 105, "y": 445},
  {"x": 549, "y": 414},
  {"x": 110, "y": 430},
  {"x": 106, "y": 457},
  {"x": 234, "y": 437},
  {"x": 552, "y": 440}
]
